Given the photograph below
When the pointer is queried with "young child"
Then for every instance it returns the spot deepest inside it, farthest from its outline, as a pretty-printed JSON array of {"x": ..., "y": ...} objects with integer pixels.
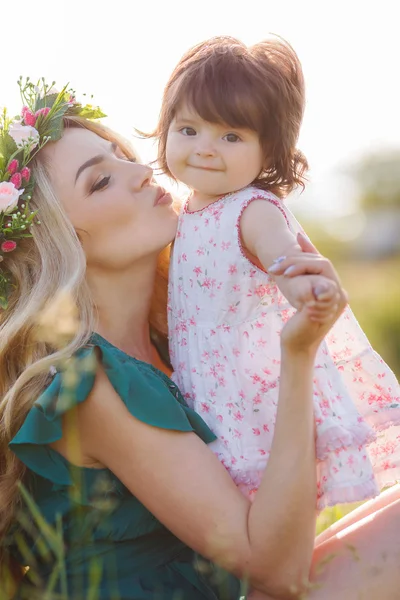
[{"x": 228, "y": 129}]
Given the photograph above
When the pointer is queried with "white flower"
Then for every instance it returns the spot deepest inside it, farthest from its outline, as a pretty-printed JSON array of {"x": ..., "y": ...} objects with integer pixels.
[
  {"x": 24, "y": 135},
  {"x": 9, "y": 196}
]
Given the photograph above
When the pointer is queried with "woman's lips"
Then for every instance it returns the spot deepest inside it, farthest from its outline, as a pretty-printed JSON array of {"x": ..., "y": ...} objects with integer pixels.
[{"x": 163, "y": 197}]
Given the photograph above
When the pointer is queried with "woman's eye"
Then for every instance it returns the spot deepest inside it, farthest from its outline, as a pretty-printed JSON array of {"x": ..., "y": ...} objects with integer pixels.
[
  {"x": 101, "y": 184},
  {"x": 231, "y": 137},
  {"x": 188, "y": 131}
]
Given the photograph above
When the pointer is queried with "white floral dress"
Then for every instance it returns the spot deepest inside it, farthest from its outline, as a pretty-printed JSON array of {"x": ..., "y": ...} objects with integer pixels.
[{"x": 225, "y": 319}]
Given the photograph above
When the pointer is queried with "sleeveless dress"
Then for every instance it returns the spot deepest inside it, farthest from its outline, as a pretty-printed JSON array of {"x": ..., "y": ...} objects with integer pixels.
[
  {"x": 225, "y": 319},
  {"x": 109, "y": 541}
]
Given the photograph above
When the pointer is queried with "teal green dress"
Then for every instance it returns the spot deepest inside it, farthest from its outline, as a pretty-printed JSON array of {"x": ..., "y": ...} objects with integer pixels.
[{"x": 102, "y": 542}]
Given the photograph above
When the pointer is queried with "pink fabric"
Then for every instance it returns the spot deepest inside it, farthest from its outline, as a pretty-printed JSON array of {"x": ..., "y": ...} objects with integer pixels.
[{"x": 225, "y": 319}]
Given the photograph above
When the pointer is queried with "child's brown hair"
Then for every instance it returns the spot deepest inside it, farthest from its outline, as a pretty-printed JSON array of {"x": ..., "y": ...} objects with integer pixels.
[{"x": 259, "y": 88}]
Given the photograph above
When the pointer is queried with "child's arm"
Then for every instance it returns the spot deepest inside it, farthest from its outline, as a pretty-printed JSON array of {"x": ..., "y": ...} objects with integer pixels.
[{"x": 266, "y": 235}]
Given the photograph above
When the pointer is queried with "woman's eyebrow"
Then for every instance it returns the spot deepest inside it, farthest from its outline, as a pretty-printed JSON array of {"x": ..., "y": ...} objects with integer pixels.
[{"x": 95, "y": 160}]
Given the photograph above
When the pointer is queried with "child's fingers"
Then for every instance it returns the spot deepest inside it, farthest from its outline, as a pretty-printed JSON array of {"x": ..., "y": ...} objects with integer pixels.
[
  {"x": 312, "y": 291},
  {"x": 328, "y": 299},
  {"x": 325, "y": 304},
  {"x": 301, "y": 291},
  {"x": 322, "y": 320},
  {"x": 322, "y": 313}
]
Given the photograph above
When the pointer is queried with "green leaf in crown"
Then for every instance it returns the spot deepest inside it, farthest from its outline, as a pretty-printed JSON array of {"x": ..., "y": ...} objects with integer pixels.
[{"x": 21, "y": 138}]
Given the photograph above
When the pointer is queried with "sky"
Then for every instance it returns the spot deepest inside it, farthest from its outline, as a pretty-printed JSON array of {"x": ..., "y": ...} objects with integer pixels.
[{"x": 123, "y": 52}]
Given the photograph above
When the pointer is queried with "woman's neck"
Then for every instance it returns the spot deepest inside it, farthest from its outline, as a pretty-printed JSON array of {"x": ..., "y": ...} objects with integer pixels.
[{"x": 123, "y": 300}]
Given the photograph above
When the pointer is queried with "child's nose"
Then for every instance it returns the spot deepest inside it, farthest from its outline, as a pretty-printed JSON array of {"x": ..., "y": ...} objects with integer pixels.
[{"x": 205, "y": 147}]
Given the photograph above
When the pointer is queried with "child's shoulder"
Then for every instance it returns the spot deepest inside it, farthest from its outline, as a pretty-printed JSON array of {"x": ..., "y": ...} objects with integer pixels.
[
  {"x": 252, "y": 192},
  {"x": 257, "y": 212}
]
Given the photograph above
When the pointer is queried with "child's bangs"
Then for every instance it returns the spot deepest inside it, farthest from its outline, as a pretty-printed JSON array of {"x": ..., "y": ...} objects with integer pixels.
[{"x": 223, "y": 97}]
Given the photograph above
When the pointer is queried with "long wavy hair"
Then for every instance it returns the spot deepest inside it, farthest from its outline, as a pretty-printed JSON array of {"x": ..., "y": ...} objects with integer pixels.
[
  {"x": 51, "y": 261},
  {"x": 260, "y": 88}
]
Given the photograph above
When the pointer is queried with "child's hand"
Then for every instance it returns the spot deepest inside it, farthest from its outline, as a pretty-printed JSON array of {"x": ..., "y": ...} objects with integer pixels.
[{"x": 316, "y": 293}]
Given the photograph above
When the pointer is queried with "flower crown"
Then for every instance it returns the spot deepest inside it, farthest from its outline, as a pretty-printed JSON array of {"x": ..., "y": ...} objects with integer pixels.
[{"x": 21, "y": 138}]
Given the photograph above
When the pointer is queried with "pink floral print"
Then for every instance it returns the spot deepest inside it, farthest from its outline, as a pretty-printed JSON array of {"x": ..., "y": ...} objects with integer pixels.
[{"x": 225, "y": 319}]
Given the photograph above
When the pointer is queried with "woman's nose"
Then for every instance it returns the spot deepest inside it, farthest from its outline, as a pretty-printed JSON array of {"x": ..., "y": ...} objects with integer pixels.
[{"x": 142, "y": 177}]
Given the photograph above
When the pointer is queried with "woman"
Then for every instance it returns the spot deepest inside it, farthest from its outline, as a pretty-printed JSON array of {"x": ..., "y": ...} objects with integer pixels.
[{"x": 113, "y": 458}]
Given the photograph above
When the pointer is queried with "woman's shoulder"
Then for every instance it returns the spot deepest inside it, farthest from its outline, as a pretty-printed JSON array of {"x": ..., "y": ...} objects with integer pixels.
[{"x": 98, "y": 372}]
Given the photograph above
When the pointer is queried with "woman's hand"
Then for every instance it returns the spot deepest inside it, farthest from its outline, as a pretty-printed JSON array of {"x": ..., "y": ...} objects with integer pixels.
[
  {"x": 311, "y": 262},
  {"x": 301, "y": 333}
]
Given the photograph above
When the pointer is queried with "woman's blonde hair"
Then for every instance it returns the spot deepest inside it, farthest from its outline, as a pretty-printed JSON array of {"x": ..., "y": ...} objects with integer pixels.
[{"x": 51, "y": 261}]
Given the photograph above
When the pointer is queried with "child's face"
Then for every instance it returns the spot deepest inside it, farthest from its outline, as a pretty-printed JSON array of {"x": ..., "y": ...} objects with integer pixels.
[{"x": 212, "y": 159}]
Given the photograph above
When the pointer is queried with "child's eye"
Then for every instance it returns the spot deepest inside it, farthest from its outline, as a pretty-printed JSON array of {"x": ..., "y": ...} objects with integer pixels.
[
  {"x": 231, "y": 137},
  {"x": 101, "y": 184},
  {"x": 188, "y": 131}
]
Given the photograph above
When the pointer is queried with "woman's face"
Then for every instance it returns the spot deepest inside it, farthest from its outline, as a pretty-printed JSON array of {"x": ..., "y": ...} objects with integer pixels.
[{"x": 121, "y": 216}]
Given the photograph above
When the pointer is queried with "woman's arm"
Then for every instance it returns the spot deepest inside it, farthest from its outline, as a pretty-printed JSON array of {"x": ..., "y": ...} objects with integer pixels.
[{"x": 181, "y": 482}]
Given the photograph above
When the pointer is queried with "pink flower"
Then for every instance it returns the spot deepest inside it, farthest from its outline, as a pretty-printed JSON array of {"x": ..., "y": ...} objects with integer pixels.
[
  {"x": 386, "y": 465},
  {"x": 260, "y": 291},
  {"x": 16, "y": 180},
  {"x": 24, "y": 135},
  {"x": 13, "y": 166},
  {"x": 257, "y": 399},
  {"x": 26, "y": 174},
  {"x": 8, "y": 246},
  {"x": 42, "y": 111},
  {"x": 9, "y": 196},
  {"x": 29, "y": 117},
  {"x": 232, "y": 269}
]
